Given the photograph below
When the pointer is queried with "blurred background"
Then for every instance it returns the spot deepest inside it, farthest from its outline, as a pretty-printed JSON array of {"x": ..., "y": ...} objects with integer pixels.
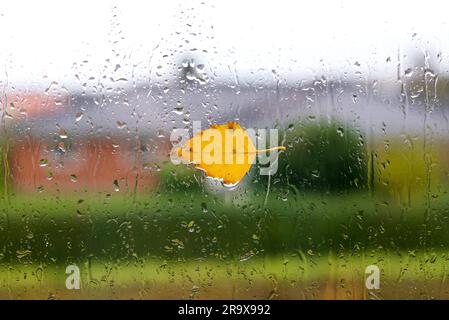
[{"x": 90, "y": 92}]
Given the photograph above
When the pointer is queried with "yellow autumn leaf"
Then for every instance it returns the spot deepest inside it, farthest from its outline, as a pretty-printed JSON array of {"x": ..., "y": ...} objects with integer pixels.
[{"x": 224, "y": 152}]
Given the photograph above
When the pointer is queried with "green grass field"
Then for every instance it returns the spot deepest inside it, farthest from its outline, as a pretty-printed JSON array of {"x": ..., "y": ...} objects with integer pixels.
[
  {"x": 195, "y": 245},
  {"x": 411, "y": 275}
]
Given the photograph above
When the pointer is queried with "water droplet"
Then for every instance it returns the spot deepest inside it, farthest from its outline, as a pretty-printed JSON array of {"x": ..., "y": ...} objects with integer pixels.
[
  {"x": 185, "y": 63},
  {"x": 408, "y": 72},
  {"x": 43, "y": 162},
  {"x": 246, "y": 256},
  {"x": 191, "y": 226},
  {"x": 121, "y": 124},
  {"x": 116, "y": 186},
  {"x": 179, "y": 110},
  {"x": 340, "y": 131},
  {"x": 230, "y": 186},
  {"x": 178, "y": 243},
  {"x": 61, "y": 146},
  {"x": 78, "y": 116},
  {"x": 62, "y": 134}
]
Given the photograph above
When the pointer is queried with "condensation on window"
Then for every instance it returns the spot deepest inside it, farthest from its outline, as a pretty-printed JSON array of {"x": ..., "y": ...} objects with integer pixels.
[{"x": 118, "y": 178}]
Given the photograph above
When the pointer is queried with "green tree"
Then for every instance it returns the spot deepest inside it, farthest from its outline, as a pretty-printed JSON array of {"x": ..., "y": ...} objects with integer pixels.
[{"x": 324, "y": 155}]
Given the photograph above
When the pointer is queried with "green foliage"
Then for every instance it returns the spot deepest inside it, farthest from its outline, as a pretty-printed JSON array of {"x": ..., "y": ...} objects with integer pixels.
[
  {"x": 197, "y": 225},
  {"x": 324, "y": 155},
  {"x": 178, "y": 178},
  {"x": 2, "y": 171},
  {"x": 407, "y": 170}
]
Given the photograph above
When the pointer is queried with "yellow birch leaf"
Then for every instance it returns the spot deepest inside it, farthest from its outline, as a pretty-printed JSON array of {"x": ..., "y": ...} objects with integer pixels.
[{"x": 223, "y": 152}]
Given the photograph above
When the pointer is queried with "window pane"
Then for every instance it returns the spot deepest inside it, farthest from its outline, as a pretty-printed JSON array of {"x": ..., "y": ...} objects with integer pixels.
[{"x": 317, "y": 166}]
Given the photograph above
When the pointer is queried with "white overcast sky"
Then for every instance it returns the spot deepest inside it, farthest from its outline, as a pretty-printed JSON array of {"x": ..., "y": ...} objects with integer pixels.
[{"x": 50, "y": 40}]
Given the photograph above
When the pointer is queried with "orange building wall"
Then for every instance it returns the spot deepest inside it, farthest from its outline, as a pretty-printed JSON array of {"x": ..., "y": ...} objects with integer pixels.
[{"x": 91, "y": 165}]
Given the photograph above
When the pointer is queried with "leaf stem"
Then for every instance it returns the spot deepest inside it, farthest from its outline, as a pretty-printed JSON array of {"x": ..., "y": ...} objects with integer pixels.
[{"x": 271, "y": 149}]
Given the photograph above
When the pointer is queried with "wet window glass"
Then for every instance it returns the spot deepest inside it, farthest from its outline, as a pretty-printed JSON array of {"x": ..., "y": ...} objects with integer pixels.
[{"x": 223, "y": 150}]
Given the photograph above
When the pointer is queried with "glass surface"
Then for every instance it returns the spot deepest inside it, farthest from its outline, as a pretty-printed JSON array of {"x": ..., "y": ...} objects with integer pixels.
[{"x": 91, "y": 192}]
